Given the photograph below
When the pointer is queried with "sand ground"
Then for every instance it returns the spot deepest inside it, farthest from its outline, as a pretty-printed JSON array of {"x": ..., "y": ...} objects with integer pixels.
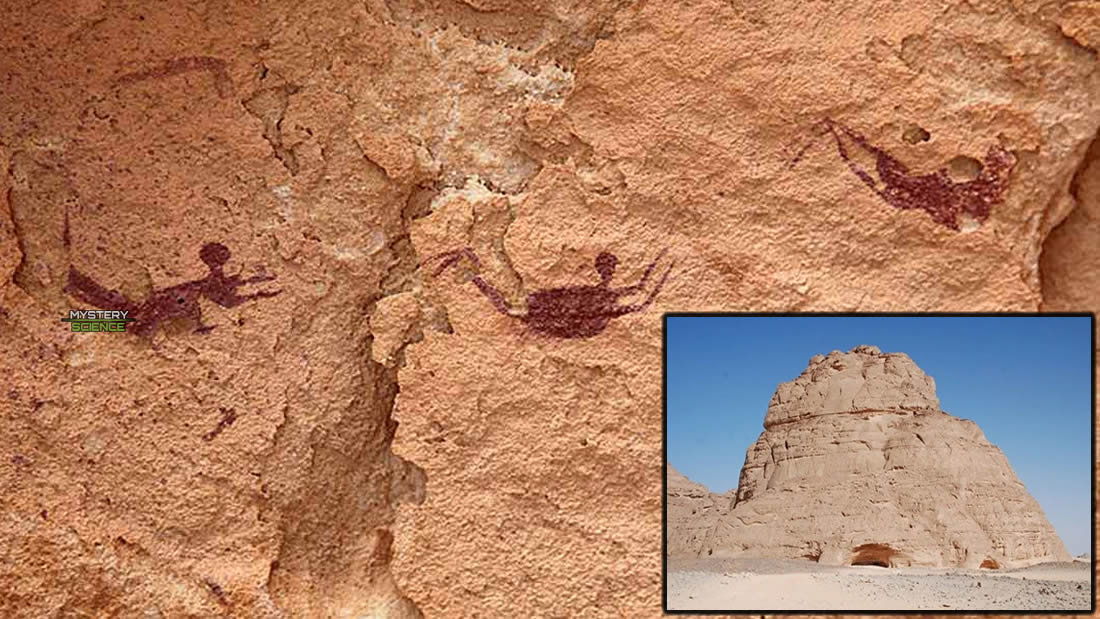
[{"x": 777, "y": 584}]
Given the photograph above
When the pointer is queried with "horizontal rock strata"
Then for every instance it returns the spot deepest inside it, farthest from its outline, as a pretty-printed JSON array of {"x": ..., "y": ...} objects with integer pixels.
[
  {"x": 693, "y": 511},
  {"x": 857, "y": 465}
]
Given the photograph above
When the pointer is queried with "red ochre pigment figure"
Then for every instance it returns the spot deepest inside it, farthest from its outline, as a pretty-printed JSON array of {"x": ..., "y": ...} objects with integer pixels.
[
  {"x": 943, "y": 198},
  {"x": 180, "y": 301},
  {"x": 571, "y": 311},
  {"x": 228, "y": 417},
  {"x": 176, "y": 66}
]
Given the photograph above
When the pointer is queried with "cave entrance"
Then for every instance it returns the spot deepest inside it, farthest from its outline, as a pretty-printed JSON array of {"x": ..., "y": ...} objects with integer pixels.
[{"x": 881, "y": 555}]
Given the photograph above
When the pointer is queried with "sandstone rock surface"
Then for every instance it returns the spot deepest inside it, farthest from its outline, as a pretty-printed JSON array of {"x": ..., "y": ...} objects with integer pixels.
[
  {"x": 862, "y": 379},
  {"x": 692, "y": 511},
  {"x": 857, "y": 465}
]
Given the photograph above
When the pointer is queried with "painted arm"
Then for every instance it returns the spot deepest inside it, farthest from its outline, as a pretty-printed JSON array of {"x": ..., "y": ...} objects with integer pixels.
[
  {"x": 626, "y": 290},
  {"x": 256, "y": 279},
  {"x": 637, "y": 307},
  {"x": 223, "y": 291}
]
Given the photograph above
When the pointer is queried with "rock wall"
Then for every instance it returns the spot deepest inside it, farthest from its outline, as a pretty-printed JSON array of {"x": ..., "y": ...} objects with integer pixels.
[
  {"x": 916, "y": 485},
  {"x": 691, "y": 512},
  {"x": 336, "y": 146}
]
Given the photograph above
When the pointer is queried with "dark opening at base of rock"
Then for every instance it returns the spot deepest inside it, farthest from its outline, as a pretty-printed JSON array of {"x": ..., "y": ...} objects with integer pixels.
[{"x": 873, "y": 554}]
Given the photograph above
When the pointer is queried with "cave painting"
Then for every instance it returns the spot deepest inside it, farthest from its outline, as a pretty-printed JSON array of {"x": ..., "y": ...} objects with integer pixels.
[
  {"x": 216, "y": 67},
  {"x": 947, "y": 201},
  {"x": 228, "y": 417},
  {"x": 179, "y": 301},
  {"x": 571, "y": 311}
]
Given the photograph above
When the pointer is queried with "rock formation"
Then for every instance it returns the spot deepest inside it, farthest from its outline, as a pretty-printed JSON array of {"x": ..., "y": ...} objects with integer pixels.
[
  {"x": 858, "y": 465},
  {"x": 692, "y": 511}
]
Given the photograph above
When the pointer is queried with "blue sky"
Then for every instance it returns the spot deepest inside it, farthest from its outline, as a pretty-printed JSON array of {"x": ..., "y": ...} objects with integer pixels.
[{"x": 1026, "y": 382}]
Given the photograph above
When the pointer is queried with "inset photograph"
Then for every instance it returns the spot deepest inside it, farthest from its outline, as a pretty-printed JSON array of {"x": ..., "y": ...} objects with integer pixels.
[{"x": 872, "y": 462}]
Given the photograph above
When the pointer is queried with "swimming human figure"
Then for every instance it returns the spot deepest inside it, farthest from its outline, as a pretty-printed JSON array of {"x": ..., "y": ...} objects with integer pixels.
[
  {"x": 945, "y": 199},
  {"x": 179, "y": 301},
  {"x": 569, "y": 311}
]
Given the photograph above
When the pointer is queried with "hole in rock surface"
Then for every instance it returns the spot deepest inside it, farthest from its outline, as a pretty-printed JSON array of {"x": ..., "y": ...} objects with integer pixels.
[
  {"x": 914, "y": 134},
  {"x": 881, "y": 555},
  {"x": 990, "y": 564},
  {"x": 963, "y": 168}
]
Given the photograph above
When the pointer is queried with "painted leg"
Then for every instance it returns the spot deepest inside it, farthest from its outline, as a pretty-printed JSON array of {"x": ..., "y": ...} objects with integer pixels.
[
  {"x": 88, "y": 290},
  {"x": 499, "y": 302},
  {"x": 495, "y": 297},
  {"x": 819, "y": 129},
  {"x": 194, "y": 312},
  {"x": 862, "y": 174},
  {"x": 449, "y": 258}
]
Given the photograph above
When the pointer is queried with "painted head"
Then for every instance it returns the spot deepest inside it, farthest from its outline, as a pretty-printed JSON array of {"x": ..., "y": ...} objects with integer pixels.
[
  {"x": 214, "y": 255},
  {"x": 605, "y": 266}
]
